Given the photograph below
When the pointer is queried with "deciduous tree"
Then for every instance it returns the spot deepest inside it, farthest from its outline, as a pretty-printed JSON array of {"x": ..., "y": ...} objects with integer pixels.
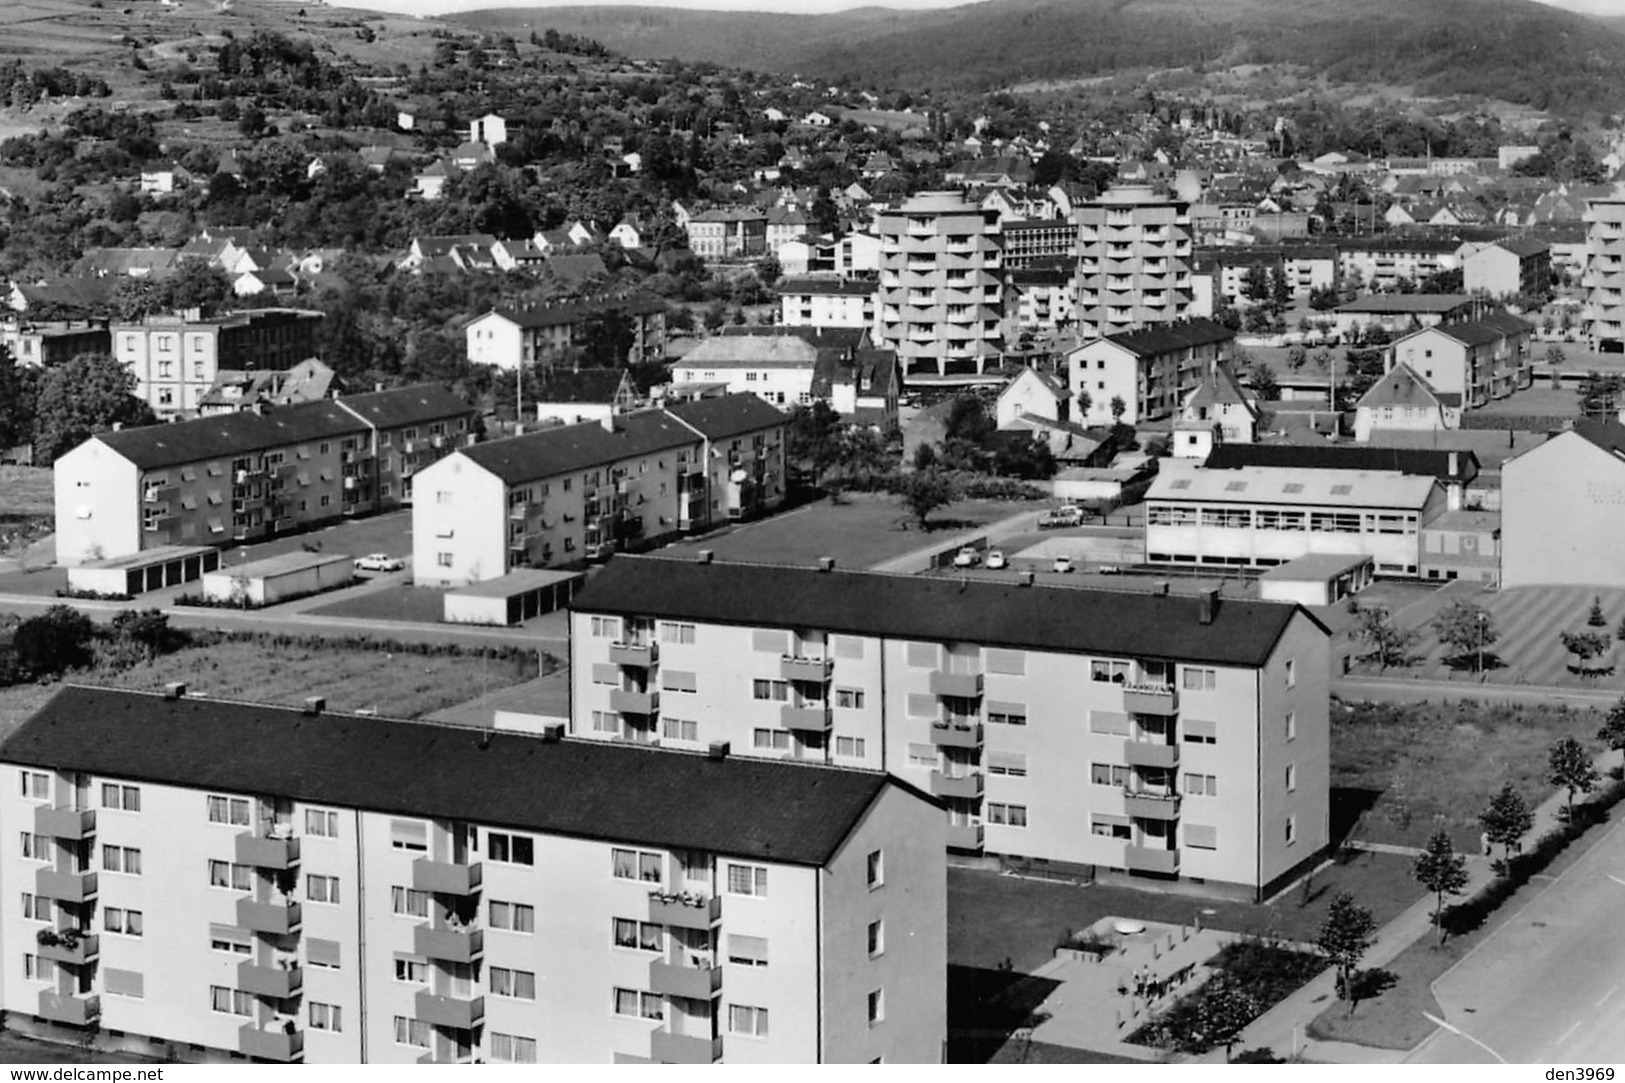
[
  {"x": 87, "y": 395},
  {"x": 1569, "y": 767},
  {"x": 1390, "y": 644},
  {"x": 1345, "y": 934},
  {"x": 1442, "y": 871},
  {"x": 1507, "y": 820},
  {"x": 1467, "y": 629},
  {"x": 1612, "y": 731},
  {"x": 924, "y": 491}
]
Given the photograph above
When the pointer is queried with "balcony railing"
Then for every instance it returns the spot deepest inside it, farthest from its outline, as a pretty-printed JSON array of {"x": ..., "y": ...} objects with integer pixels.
[
  {"x": 812, "y": 670},
  {"x": 693, "y": 982},
  {"x": 74, "y": 951},
  {"x": 629, "y": 702},
  {"x": 64, "y": 823},
  {"x": 266, "y": 852},
  {"x": 281, "y": 1046},
  {"x": 458, "y": 1013},
  {"x": 958, "y": 685},
  {"x": 447, "y": 877},
  {"x": 69, "y": 887},
  {"x": 965, "y": 836},
  {"x": 812, "y": 718},
  {"x": 1151, "y": 805},
  {"x": 81, "y": 1010},
  {"x": 1150, "y": 754},
  {"x": 965, "y": 787},
  {"x": 956, "y": 734},
  {"x": 642, "y": 655},
  {"x": 684, "y": 911},
  {"x": 1160, "y": 699},
  {"x": 275, "y": 982},
  {"x": 1150, "y": 859},
  {"x": 272, "y": 918},
  {"x": 448, "y": 944},
  {"x": 668, "y": 1048}
]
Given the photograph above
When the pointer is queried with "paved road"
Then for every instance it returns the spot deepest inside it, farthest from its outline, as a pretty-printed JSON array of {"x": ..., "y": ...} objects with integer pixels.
[{"x": 1549, "y": 986}]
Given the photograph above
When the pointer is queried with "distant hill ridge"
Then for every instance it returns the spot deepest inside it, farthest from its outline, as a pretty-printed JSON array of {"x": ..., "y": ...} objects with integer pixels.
[{"x": 1516, "y": 50}]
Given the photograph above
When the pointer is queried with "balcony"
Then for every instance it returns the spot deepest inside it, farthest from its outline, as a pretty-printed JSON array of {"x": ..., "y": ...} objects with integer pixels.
[
  {"x": 642, "y": 655},
  {"x": 964, "y": 787},
  {"x": 1151, "y": 806},
  {"x": 629, "y": 702},
  {"x": 1150, "y": 859},
  {"x": 1150, "y": 754},
  {"x": 958, "y": 685},
  {"x": 668, "y": 1048},
  {"x": 447, "y": 944},
  {"x": 273, "y": 1045},
  {"x": 265, "y": 852},
  {"x": 68, "y": 887},
  {"x": 812, "y": 670},
  {"x": 813, "y": 718},
  {"x": 678, "y": 912},
  {"x": 84, "y": 949},
  {"x": 271, "y": 918},
  {"x": 965, "y": 836},
  {"x": 693, "y": 982},
  {"x": 64, "y": 823},
  {"x": 1160, "y": 699},
  {"x": 275, "y": 982},
  {"x": 458, "y": 1013},
  {"x": 446, "y": 877},
  {"x": 81, "y": 1010},
  {"x": 956, "y": 734}
]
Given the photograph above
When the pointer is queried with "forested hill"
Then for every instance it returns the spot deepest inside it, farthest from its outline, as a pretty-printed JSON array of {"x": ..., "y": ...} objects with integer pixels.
[{"x": 1515, "y": 50}]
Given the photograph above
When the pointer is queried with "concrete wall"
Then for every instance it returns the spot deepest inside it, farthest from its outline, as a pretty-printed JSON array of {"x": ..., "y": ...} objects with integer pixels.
[
  {"x": 459, "y": 524},
  {"x": 98, "y": 504},
  {"x": 1562, "y": 511}
]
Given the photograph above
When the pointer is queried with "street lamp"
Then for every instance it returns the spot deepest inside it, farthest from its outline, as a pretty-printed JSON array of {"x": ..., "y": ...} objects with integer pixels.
[{"x": 1436, "y": 1021}]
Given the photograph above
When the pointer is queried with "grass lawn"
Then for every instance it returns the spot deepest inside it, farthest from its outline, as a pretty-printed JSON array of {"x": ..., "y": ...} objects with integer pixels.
[
  {"x": 38, "y": 583},
  {"x": 27, "y": 504},
  {"x": 865, "y": 530},
  {"x": 399, "y": 684},
  {"x": 994, "y": 918},
  {"x": 1030, "y": 1052},
  {"x": 1401, "y": 771},
  {"x": 1540, "y": 400},
  {"x": 17, "y": 1049},
  {"x": 419, "y": 605}
]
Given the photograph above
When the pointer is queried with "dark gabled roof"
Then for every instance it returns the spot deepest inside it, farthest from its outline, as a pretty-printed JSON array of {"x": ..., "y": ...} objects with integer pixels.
[
  {"x": 1219, "y": 388},
  {"x": 407, "y": 405},
  {"x": 827, "y": 287},
  {"x": 1605, "y": 432},
  {"x": 828, "y": 338},
  {"x": 225, "y": 435},
  {"x": 582, "y": 385},
  {"x": 1397, "y": 244},
  {"x": 728, "y": 415},
  {"x": 997, "y": 613},
  {"x": 1417, "y": 462},
  {"x": 1406, "y": 302},
  {"x": 1485, "y": 330},
  {"x": 570, "y": 312},
  {"x": 549, "y": 452},
  {"x": 765, "y": 809},
  {"x": 1402, "y": 386},
  {"x": 1522, "y": 246},
  {"x": 1172, "y": 336}
]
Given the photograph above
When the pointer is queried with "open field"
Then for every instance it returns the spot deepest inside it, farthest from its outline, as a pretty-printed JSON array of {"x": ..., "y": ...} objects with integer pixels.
[
  {"x": 404, "y": 602},
  {"x": 862, "y": 531},
  {"x": 1401, "y": 772},
  {"x": 27, "y": 505},
  {"x": 398, "y": 684}
]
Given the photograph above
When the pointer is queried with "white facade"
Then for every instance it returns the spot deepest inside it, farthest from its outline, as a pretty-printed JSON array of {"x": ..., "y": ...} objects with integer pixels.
[{"x": 1563, "y": 510}]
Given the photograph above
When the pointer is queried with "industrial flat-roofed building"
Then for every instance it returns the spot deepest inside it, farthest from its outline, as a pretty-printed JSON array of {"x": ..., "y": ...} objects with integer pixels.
[
  {"x": 1110, "y": 732},
  {"x": 286, "y": 886}
]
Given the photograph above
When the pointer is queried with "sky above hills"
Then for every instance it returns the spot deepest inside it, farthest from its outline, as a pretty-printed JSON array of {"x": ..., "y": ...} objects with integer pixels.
[{"x": 806, "y": 7}]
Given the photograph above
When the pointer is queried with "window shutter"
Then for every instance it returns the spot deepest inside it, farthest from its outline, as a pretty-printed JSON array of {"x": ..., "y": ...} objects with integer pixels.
[
  {"x": 771, "y": 641},
  {"x": 1007, "y": 760},
  {"x": 1201, "y": 837},
  {"x": 753, "y": 948},
  {"x": 1012, "y": 662},
  {"x": 1197, "y": 727},
  {"x": 678, "y": 681},
  {"x": 848, "y": 647},
  {"x": 124, "y": 983},
  {"x": 921, "y": 706},
  {"x": 1108, "y": 722},
  {"x": 923, "y": 655},
  {"x": 603, "y": 673},
  {"x": 322, "y": 952},
  {"x": 411, "y": 832},
  {"x": 229, "y": 932}
]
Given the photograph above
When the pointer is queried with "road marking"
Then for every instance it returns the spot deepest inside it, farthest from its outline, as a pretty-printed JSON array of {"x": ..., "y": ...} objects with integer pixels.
[
  {"x": 1567, "y": 1034},
  {"x": 1606, "y": 995}
]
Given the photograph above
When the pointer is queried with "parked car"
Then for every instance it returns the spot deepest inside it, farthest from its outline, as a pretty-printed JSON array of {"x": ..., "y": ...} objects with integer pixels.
[
  {"x": 1057, "y": 518},
  {"x": 379, "y": 562},
  {"x": 995, "y": 559},
  {"x": 967, "y": 557},
  {"x": 1109, "y": 569},
  {"x": 1063, "y": 563}
]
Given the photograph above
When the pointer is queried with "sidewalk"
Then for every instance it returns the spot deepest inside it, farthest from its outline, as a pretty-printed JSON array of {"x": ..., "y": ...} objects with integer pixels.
[{"x": 1284, "y": 1027}]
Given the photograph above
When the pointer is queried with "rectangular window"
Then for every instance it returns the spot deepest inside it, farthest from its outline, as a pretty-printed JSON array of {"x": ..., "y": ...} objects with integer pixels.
[
  {"x": 512, "y": 916},
  {"x": 36, "y": 785},
  {"x": 877, "y": 1007},
  {"x": 122, "y": 922},
  {"x": 1109, "y": 826},
  {"x": 123, "y": 859},
  {"x": 672, "y": 632},
  {"x": 1291, "y": 725},
  {"x": 124, "y": 983},
  {"x": 770, "y": 641},
  {"x": 321, "y": 889},
  {"x": 1197, "y": 678},
  {"x": 412, "y": 1032},
  {"x": 646, "y": 865},
  {"x": 410, "y": 835},
  {"x": 606, "y": 627},
  {"x": 1291, "y": 777},
  {"x": 37, "y": 969},
  {"x": 744, "y": 1019},
  {"x": 230, "y": 939},
  {"x": 675, "y": 680},
  {"x": 512, "y": 1049},
  {"x": 849, "y": 698},
  {"x": 36, "y": 907},
  {"x": 1291, "y": 673},
  {"x": 412, "y": 969},
  {"x": 774, "y": 740},
  {"x": 228, "y": 810},
  {"x": 747, "y": 879},
  {"x": 770, "y": 690},
  {"x": 1201, "y": 837},
  {"x": 409, "y": 903},
  {"x": 1104, "y": 669},
  {"x": 679, "y": 729},
  {"x": 122, "y": 798},
  {"x": 1013, "y": 764},
  {"x": 1005, "y": 661},
  {"x": 326, "y": 1017},
  {"x": 1200, "y": 731},
  {"x": 38, "y": 847},
  {"x": 321, "y": 823},
  {"x": 848, "y": 646},
  {"x": 923, "y": 755},
  {"x": 921, "y": 705},
  {"x": 323, "y": 954},
  {"x": 1201, "y": 785},
  {"x": 518, "y": 984},
  {"x": 638, "y": 935},
  {"x": 510, "y": 849},
  {"x": 747, "y": 950},
  {"x": 850, "y": 747},
  {"x": 876, "y": 865},
  {"x": 1006, "y": 815},
  {"x": 637, "y": 1005},
  {"x": 923, "y": 655},
  {"x": 606, "y": 722},
  {"x": 230, "y": 1001},
  {"x": 228, "y": 875},
  {"x": 1006, "y": 714},
  {"x": 1291, "y": 830},
  {"x": 877, "y": 938},
  {"x": 1112, "y": 722}
]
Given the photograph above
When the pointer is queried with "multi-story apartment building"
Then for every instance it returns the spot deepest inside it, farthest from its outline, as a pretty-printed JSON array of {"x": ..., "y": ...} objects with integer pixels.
[
  {"x": 1479, "y": 360},
  {"x": 826, "y": 302},
  {"x": 1399, "y": 313},
  {"x": 248, "y": 474},
  {"x": 1380, "y": 263},
  {"x": 580, "y": 492},
  {"x": 1109, "y": 731},
  {"x": 781, "y": 365},
  {"x": 34, "y": 345},
  {"x": 1040, "y": 299},
  {"x": 1303, "y": 269},
  {"x": 175, "y": 359},
  {"x": 1604, "y": 277},
  {"x": 509, "y": 337},
  {"x": 1134, "y": 261},
  {"x": 941, "y": 285},
  {"x": 1032, "y": 240},
  {"x": 303, "y": 887},
  {"x": 1151, "y": 370},
  {"x": 1563, "y": 509},
  {"x": 1509, "y": 267},
  {"x": 728, "y": 233}
]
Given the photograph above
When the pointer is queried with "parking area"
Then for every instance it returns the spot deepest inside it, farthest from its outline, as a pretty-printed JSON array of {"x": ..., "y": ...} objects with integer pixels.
[{"x": 390, "y": 533}]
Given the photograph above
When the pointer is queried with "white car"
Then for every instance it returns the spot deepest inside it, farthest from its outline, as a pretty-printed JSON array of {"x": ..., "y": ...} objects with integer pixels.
[
  {"x": 379, "y": 562},
  {"x": 1063, "y": 563},
  {"x": 967, "y": 557},
  {"x": 995, "y": 559}
]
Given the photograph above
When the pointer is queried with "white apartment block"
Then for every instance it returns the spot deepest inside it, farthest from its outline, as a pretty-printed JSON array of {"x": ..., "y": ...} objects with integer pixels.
[
  {"x": 1604, "y": 277},
  {"x": 175, "y": 360},
  {"x": 826, "y": 302},
  {"x": 1153, "y": 370},
  {"x": 571, "y": 493},
  {"x": 1134, "y": 261},
  {"x": 1112, "y": 733},
  {"x": 219, "y": 880},
  {"x": 941, "y": 287},
  {"x": 512, "y": 337}
]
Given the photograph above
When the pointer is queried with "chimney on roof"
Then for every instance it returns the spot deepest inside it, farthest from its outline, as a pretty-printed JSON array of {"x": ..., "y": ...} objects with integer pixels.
[
  {"x": 1207, "y": 604},
  {"x": 1453, "y": 471},
  {"x": 175, "y": 690},
  {"x": 553, "y": 732},
  {"x": 608, "y": 421},
  {"x": 826, "y": 564},
  {"x": 315, "y": 705},
  {"x": 118, "y": 426},
  {"x": 704, "y": 556},
  {"x": 718, "y": 750}
]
